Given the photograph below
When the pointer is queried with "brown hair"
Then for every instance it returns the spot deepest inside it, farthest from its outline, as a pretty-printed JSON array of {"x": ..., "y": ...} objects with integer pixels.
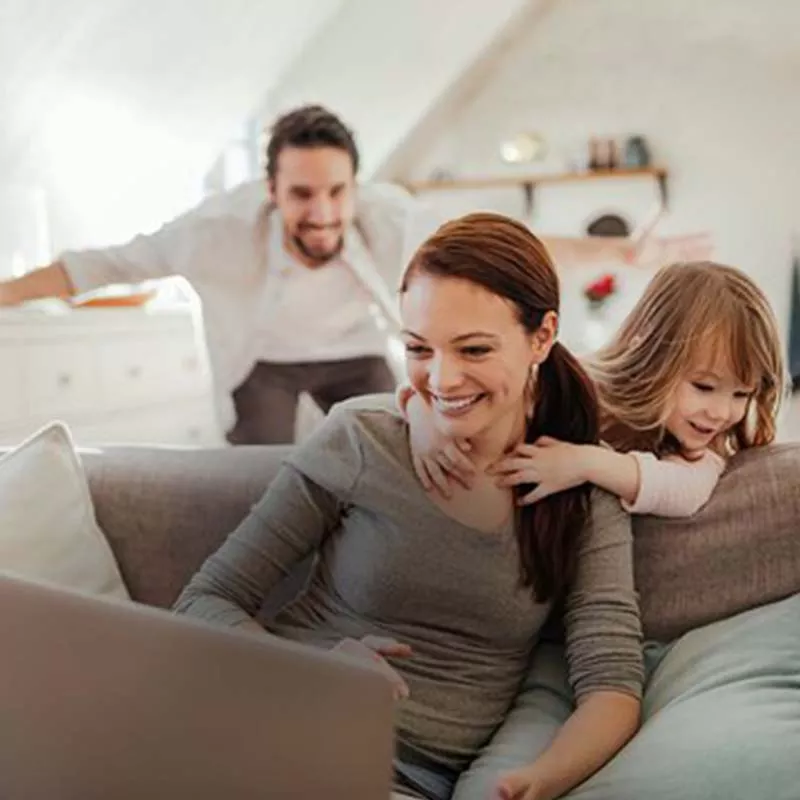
[
  {"x": 687, "y": 312},
  {"x": 309, "y": 126},
  {"x": 505, "y": 258}
]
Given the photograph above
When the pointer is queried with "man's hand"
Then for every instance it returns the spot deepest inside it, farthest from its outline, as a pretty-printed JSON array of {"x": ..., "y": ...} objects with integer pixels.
[
  {"x": 50, "y": 281},
  {"x": 6, "y": 296}
]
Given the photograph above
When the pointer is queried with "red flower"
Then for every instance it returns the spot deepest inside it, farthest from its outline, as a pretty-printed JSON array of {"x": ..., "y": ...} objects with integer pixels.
[{"x": 600, "y": 289}]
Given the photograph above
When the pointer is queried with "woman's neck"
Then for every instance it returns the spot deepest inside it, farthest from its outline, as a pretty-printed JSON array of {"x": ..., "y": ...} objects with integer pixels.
[{"x": 497, "y": 440}]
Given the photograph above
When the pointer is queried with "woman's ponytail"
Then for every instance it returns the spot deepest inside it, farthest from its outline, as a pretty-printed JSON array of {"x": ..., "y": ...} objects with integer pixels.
[{"x": 566, "y": 409}]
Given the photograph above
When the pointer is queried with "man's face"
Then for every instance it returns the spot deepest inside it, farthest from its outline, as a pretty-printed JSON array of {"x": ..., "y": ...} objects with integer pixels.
[{"x": 314, "y": 189}]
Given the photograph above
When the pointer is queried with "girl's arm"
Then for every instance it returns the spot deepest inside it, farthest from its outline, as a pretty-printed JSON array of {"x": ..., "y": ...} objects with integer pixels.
[
  {"x": 554, "y": 466},
  {"x": 402, "y": 395},
  {"x": 669, "y": 487},
  {"x": 607, "y": 469},
  {"x": 673, "y": 486},
  {"x": 437, "y": 459}
]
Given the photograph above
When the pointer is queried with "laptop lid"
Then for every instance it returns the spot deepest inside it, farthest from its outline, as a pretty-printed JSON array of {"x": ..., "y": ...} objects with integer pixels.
[{"x": 100, "y": 699}]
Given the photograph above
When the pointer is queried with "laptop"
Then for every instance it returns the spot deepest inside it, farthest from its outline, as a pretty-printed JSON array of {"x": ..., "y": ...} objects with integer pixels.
[{"x": 102, "y": 699}]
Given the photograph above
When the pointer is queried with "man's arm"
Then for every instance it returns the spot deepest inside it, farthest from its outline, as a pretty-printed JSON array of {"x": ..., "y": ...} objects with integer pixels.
[
  {"x": 196, "y": 240},
  {"x": 49, "y": 281},
  {"x": 146, "y": 257}
]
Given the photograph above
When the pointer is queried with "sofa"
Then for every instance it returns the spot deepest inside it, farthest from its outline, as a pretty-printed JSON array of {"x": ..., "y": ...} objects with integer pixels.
[{"x": 720, "y": 600}]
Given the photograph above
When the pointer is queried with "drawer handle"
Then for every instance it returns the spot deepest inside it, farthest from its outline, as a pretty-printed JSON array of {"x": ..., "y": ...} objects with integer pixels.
[
  {"x": 134, "y": 372},
  {"x": 64, "y": 380}
]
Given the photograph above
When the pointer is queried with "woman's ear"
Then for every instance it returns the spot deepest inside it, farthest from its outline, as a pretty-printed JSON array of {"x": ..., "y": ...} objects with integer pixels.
[{"x": 544, "y": 337}]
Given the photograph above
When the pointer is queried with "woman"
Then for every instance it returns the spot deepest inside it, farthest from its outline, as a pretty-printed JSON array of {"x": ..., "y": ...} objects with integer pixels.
[{"x": 463, "y": 585}]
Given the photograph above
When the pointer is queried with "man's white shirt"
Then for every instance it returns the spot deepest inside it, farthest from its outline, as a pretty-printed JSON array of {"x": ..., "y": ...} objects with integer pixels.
[{"x": 228, "y": 249}]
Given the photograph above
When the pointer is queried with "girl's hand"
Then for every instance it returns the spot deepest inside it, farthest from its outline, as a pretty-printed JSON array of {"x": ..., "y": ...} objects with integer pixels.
[
  {"x": 553, "y": 466},
  {"x": 438, "y": 460}
]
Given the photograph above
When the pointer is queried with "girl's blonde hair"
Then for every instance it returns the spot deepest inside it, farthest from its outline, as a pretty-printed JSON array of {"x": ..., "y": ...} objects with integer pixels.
[{"x": 688, "y": 312}]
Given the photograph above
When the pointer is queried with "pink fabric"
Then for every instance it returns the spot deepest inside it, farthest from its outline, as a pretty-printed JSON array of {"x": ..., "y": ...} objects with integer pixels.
[{"x": 673, "y": 486}]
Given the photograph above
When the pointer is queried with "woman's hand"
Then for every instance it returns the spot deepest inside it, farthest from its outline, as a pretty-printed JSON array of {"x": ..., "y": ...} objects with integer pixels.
[
  {"x": 553, "y": 466},
  {"x": 518, "y": 784},
  {"x": 376, "y": 649},
  {"x": 437, "y": 459}
]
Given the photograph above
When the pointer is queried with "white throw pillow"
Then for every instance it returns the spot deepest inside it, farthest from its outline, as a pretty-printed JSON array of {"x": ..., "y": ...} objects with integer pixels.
[{"x": 48, "y": 531}]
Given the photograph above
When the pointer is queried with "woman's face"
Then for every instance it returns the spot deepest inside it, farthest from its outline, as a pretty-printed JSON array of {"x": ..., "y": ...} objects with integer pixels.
[{"x": 468, "y": 356}]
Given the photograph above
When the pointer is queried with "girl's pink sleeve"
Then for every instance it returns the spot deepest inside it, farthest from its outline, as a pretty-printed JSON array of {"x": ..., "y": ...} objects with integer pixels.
[{"x": 674, "y": 486}]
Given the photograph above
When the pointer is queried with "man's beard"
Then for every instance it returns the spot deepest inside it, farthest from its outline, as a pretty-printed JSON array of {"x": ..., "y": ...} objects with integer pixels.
[{"x": 315, "y": 255}]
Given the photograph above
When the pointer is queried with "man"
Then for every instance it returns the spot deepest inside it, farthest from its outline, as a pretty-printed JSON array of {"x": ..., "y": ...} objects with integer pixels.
[
  {"x": 293, "y": 277},
  {"x": 296, "y": 276}
]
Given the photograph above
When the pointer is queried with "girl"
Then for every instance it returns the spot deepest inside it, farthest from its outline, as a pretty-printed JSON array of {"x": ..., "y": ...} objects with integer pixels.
[{"x": 694, "y": 374}]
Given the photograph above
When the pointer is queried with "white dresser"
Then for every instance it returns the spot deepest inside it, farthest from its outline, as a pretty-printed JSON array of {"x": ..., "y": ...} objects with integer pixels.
[{"x": 113, "y": 375}]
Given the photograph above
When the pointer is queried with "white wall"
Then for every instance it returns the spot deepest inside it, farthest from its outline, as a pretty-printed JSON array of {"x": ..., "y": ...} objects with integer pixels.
[{"x": 714, "y": 87}]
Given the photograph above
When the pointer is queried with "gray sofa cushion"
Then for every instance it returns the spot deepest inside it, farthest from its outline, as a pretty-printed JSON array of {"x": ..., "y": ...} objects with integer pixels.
[
  {"x": 165, "y": 510},
  {"x": 721, "y": 718}
]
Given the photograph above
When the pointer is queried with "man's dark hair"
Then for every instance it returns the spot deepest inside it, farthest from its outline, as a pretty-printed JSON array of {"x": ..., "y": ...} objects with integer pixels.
[{"x": 309, "y": 126}]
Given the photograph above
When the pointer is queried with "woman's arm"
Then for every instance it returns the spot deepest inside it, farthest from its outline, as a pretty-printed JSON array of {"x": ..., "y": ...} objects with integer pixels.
[
  {"x": 601, "y": 725},
  {"x": 302, "y": 505},
  {"x": 288, "y": 524},
  {"x": 604, "y": 654}
]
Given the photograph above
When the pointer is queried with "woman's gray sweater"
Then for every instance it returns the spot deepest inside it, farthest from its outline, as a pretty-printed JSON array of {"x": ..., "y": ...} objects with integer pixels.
[{"x": 392, "y": 563}]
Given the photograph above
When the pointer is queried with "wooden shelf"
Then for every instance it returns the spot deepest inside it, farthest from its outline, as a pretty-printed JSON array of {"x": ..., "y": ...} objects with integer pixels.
[{"x": 529, "y": 182}]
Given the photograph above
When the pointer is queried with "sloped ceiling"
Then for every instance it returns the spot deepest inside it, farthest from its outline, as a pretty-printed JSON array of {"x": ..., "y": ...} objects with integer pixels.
[
  {"x": 384, "y": 65},
  {"x": 195, "y": 67},
  {"x": 113, "y": 108}
]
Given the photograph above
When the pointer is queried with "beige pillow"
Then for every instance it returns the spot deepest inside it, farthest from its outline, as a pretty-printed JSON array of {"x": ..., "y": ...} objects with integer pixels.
[{"x": 48, "y": 531}]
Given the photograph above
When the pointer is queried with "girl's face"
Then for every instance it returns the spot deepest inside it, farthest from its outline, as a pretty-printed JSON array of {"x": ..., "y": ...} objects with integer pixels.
[
  {"x": 709, "y": 400},
  {"x": 468, "y": 356}
]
